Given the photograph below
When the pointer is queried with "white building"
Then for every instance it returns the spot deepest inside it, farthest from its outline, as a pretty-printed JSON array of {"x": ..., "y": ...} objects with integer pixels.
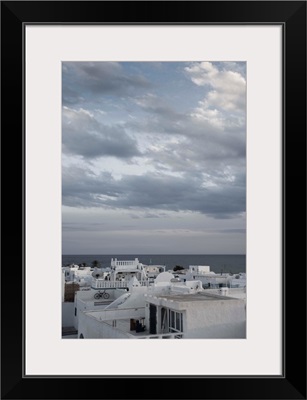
[
  {"x": 199, "y": 315},
  {"x": 77, "y": 274},
  {"x": 211, "y": 279},
  {"x": 169, "y": 309}
]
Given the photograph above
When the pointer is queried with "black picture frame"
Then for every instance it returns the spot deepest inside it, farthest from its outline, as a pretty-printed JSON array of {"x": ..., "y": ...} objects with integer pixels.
[{"x": 292, "y": 383}]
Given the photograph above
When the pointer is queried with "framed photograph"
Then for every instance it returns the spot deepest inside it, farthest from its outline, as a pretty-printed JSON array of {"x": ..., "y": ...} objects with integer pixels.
[{"x": 161, "y": 169}]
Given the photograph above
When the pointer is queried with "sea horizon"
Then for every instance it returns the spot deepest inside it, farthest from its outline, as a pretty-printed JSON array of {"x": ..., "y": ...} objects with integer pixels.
[{"x": 233, "y": 263}]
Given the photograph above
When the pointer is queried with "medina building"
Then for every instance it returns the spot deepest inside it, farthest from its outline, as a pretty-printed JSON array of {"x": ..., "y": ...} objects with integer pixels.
[{"x": 169, "y": 309}]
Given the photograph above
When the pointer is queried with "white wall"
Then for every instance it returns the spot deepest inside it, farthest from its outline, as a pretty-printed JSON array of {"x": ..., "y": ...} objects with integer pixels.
[
  {"x": 237, "y": 293},
  {"x": 85, "y": 301},
  {"x": 216, "y": 319},
  {"x": 68, "y": 314},
  {"x": 88, "y": 295},
  {"x": 93, "y": 328}
]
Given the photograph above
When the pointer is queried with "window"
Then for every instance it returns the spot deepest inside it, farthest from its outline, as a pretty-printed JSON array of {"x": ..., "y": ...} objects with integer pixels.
[
  {"x": 164, "y": 323},
  {"x": 175, "y": 321}
]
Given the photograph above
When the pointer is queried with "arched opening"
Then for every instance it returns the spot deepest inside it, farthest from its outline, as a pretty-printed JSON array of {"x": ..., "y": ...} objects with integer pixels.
[{"x": 81, "y": 336}]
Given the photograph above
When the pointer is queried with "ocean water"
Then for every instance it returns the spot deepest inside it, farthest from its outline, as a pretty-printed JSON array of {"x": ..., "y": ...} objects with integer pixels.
[{"x": 234, "y": 263}]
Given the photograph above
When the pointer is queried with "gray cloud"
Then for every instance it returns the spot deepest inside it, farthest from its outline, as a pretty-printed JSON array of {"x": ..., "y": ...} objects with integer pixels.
[
  {"x": 97, "y": 78},
  {"x": 158, "y": 117},
  {"x": 234, "y": 230},
  {"x": 152, "y": 192},
  {"x": 153, "y": 104},
  {"x": 77, "y": 226},
  {"x": 82, "y": 188},
  {"x": 221, "y": 156},
  {"x": 83, "y": 135},
  {"x": 160, "y": 155},
  {"x": 208, "y": 134},
  {"x": 69, "y": 96}
]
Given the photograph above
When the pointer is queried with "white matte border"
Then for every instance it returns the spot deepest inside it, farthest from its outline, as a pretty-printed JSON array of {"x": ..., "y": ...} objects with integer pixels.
[{"x": 261, "y": 352}]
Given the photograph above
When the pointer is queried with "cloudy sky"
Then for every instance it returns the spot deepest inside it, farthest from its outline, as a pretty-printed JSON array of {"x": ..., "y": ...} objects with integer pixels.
[{"x": 153, "y": 158}]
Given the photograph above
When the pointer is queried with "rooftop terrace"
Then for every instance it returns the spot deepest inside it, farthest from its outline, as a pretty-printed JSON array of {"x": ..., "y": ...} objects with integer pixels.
[{"x": 200, "y": 296}]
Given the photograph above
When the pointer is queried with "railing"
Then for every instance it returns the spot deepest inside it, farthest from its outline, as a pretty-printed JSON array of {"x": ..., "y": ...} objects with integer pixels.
[
  {"x": 101, "y": 284},
  {"x": 162, "y": 336}
]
